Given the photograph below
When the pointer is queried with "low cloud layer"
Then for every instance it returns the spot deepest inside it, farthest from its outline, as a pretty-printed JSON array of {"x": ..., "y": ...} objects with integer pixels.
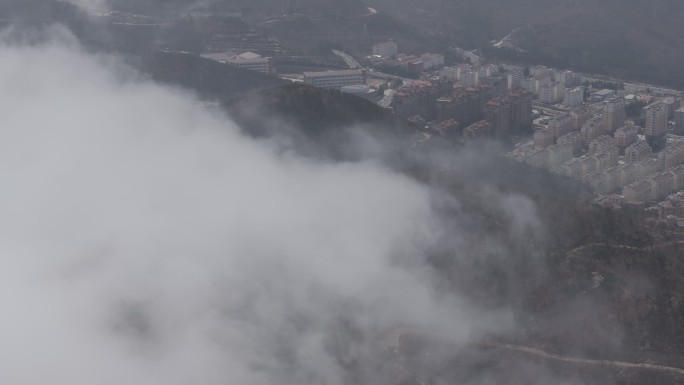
[{"x": 144, "y": 240}]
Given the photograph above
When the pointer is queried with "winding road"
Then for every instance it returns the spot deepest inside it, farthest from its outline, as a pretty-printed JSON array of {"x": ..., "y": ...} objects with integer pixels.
[
  {"x": 351, "y": 62},
  {"x": 585, "y": 361},
  {"x": 582, "y": 248}
]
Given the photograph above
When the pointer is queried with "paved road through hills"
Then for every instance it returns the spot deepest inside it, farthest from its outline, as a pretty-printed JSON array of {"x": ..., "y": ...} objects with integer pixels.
[{"x": 585, "y": 361}]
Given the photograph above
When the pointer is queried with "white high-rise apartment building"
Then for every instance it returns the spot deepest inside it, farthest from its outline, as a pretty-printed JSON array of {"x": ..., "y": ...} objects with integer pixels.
[
  {"x": 573, "y": 97},
  {"x": 655, "y": 116},
  {"x": 385, "y": 49}
]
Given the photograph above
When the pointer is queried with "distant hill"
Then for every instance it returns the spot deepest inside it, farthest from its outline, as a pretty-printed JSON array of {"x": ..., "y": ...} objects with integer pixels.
[
  {"x": 631, "y": 38},
  {"x": 247, "y": 7},
  {"x": 40, "y": 12}
]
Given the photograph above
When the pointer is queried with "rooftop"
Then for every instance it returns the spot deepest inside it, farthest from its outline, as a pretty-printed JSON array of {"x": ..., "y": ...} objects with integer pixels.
[
  {"x": 333, "y": 73},
  {"x": 248, "y": 56},
  {"x": 233, "y": 57},
  {"x": 604, "y": 92}
]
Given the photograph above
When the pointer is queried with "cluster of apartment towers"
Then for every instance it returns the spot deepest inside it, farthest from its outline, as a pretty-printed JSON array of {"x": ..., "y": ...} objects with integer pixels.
[{"x": 617, "y": 157}]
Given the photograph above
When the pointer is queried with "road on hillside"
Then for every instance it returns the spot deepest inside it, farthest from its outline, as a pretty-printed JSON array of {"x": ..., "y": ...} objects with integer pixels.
[
  {"x": 386, "y": 101},
  {"x": 585, "y": 361},
  {"x": 351, "y": 62},
  {"x": 648, "y": 365}
]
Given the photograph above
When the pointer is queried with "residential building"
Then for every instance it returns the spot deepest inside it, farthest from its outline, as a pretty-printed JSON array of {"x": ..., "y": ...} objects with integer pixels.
[
  {"x": 432, "y": 61},
  {"x": 494, "y": 85},
  {"x": 446, "y": 108},
  {"x": 513, "y": 79},
  {"x": 673, "y": 206},
  {"x": 334, "y": 79},
  {"x": 602, "y": 95},
  {"x": 560, "y": 76},
  {"x": 580, "y": 116},
  {"x": 672, "y": 155},
  {"x": 638, "y": 191},
  {"x": 624, "y": 136},
  {"x": 488, "y": 71},
  {"x": 538, "y": 159},
  {"x": 614, "y": 115},
  {"x": 561, "y": 125},
  {"x": 415, "y": 66},
  {"x": 498, "y": 115},
  {"x": 661, "y": 185},
  {"x": 477, "y": 129},
  {"x": 573, "y": 97},
  {"x": 637, "y": 151},
  {"x": 573, "y": 139},
  {"x": 248, "y": 60},
  {"x": 671, "y": 104},
  {"x": 469, "y": 78},
  {"x": 627, "y": 174},
  {"x": 568, "y": 78},
  {"x": 591, "y": 130},
  {"x": 468, "y": 104},
  {"x": 679, "y": 119},
  {"x": 540, "y": 81},
  {"x": 416, "y": 122},
  {"x": 643, "y": 169},
  {"x": 449, "y": 74},
  {"x": 521, "y": 110},
  {"x": 599, "y": 182},
  {"x": 558, "y": 155},
  {"x": 528, "y": 85},
  {"x": 603, "y": 143},
  {"x": 572, "y": 169},
  {"x": 543, "y": 138},
  {"x": 462, "y": 68},
  {"x": 655, "y": 116},
  {"x": 542, "y": 71},
  {"x": 447, "y": 128},
  {"x": 418, "y": 98},
  {"x": 588, "y": 165},
  {"x": 605, "y": 160},
  {"x": 612, "y": 175},
  {"x": 678, "y": 175},
  {"x": 385, "y": 49},
  {"x": 557, "y": 92}
]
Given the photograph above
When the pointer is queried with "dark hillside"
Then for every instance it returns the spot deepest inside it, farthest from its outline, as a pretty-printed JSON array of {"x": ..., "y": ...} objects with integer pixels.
[
  {"x": 40, "y": 13},
  {"x": 314, "y": 110},
  {"x": 212, "y": 80},
  {"x": 264, "y": 105}
]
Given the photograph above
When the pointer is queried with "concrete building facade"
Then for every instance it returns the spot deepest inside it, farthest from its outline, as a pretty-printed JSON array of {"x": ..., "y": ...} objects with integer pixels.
[
  {"x": 385, "y": 49},
  {"x": 334, "y": 79},
  {"x": 573, "y": 97},
  {"x": 624, "y": 136},
  {"x": 614, "y": 115},
  {"x": 655, "y": 117},
  {"x": 247, "y": 60}
]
